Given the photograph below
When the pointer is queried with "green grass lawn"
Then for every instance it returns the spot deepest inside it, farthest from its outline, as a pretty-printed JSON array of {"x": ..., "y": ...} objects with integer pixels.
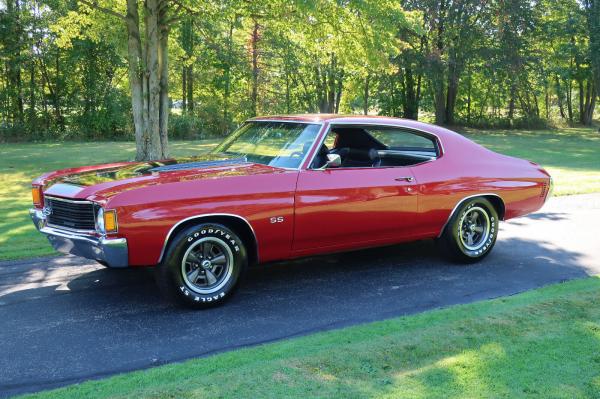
[
  {"x": 570, "y": 155},
  {"x": 541, "y": 344},
  {"x": 21, "y": 163}
]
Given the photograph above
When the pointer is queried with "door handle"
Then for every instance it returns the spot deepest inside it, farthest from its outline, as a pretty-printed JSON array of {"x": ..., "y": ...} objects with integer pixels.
[{"x": 405, "y": 178}]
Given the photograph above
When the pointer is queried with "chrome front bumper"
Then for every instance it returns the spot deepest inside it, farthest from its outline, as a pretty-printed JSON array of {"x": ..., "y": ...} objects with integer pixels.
[{"x": 111, "y": 252}]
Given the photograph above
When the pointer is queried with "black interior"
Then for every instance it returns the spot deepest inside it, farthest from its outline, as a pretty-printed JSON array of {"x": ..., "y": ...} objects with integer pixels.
[{"x": 359, "y": 149}]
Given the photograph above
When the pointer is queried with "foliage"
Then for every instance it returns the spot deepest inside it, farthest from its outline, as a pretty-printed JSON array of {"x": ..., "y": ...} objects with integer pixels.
[{"x": 67, "y": 65}]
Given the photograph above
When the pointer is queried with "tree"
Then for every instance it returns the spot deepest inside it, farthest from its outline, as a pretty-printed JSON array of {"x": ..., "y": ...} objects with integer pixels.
[
  {"x": 147, "y": 55},
  {"x": 592, "y": 10}
]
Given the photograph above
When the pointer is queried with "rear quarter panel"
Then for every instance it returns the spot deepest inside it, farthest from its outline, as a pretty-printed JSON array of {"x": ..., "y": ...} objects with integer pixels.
[{"x": 466, "y": 169}]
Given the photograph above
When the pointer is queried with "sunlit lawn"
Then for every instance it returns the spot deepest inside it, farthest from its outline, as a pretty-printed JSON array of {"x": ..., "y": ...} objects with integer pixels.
[
  {"x": 571, "y": 156},
  {"x": 540, "y": 344}
]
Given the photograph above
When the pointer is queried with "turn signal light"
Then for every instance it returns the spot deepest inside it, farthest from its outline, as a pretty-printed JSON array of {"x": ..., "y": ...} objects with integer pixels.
[
  {"x": 110, "y": 221},
  {"x": 36, "y": 195}
]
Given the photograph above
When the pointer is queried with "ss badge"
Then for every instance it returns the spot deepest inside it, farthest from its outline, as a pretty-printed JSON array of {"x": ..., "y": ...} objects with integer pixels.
[{"x": 276, "y": 219}]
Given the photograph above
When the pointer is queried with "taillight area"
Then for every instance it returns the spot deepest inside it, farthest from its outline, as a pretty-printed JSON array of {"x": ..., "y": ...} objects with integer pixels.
[{"x": 37, "y": 196}]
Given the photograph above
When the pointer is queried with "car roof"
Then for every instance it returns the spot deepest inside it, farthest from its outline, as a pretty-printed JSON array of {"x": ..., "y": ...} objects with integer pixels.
[
  {"x": 322, "y": 118},
  {"x": 441, "y": 132}
]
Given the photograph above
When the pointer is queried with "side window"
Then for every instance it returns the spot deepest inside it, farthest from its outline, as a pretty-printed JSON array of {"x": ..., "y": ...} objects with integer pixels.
[{"x": 398, "y": 139}]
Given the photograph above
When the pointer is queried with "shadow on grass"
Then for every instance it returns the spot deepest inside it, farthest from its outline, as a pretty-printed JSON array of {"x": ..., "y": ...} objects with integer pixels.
[{"x": 119, "y": 309}]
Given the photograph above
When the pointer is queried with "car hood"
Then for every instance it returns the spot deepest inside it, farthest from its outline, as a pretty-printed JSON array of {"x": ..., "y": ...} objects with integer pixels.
[{"x": 104, "y": 181}]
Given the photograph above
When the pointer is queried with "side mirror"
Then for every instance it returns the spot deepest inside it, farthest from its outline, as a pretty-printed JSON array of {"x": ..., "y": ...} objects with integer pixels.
[{"x": 333, "y": 161}]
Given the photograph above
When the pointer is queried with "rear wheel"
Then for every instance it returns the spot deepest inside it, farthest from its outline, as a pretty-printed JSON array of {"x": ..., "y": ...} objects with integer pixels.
[
  {"x": 471, "y": 232},
  {"x": 202, "y": 266}
]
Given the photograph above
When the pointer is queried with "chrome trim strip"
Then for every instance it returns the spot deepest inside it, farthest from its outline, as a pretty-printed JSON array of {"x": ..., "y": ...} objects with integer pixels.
[
  {"x": 204, "y": 215},
  {"x": 67, "y": 234},
  {"x": 319, "y": 142},
  {"x": 284, "y": 120},
  {"x": 72, "y": 230},
  {"x": 460, "y": 202},
  {"x": 69, "y": 200}
]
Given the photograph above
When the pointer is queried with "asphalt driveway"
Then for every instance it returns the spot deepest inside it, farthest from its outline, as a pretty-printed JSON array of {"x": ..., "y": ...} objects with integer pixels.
[{"x": 65, "y": 320}]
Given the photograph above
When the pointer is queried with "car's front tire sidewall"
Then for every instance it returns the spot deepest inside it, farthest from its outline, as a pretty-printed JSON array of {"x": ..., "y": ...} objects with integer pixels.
[{"x": 170, "y": 276}]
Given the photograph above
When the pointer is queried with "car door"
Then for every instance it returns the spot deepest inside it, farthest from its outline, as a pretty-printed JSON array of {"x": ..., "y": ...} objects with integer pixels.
[{"x": 344, "y": 207}]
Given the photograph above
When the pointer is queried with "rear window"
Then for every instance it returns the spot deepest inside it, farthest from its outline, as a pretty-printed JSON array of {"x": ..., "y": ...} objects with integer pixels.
[{"x": 403, "y": 140}]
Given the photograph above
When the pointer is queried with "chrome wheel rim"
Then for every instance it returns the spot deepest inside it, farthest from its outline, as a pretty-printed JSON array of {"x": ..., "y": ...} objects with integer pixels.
[
  {"x": 207, "y": 265},
  {"x": 475, "y": 228}
]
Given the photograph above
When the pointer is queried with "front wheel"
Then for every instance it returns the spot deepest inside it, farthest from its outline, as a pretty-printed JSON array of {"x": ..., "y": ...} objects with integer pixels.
[
  {"x": 202, "y": 266},
  {"x": 471, "y": 232}
]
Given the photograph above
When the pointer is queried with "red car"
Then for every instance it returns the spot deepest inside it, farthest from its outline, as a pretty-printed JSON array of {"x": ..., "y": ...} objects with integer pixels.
[{"x": 285, "y": 187}]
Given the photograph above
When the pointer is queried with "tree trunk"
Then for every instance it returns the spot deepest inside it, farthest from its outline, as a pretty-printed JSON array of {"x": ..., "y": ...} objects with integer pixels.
[
  {"x": 590, "y": 104},
  {"x": 153, "y": 76},
  {"x": 366, "y": 96},
  {"x": 454, "y": 70},
  {"x": 592, "y": 8},
  {"x": 184, "y": 89},
  {"x": 581, "y": 112},
  {"x": 569, "y": 101},
  {"x": 190, "y": 88},
  {"x": 559, "y": 97},
  {"x": 546, "y": 100},
  {"x": 164, "y": 84},
  {"x": 14, "y": 44},
  {"x": 136, "y": 80},
  {"x": 228, "y": 77},
  {"x": 511, "y": 103},
  {"x": 451, "y": 94},
  {"x": 255, "y": 71},
  {"x": 410, "y": 94},
  {"x": 32, "y": 103}
]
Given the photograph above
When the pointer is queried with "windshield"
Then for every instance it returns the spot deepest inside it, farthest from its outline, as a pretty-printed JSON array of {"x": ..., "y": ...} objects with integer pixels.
[{"x": 279, "y": 144}]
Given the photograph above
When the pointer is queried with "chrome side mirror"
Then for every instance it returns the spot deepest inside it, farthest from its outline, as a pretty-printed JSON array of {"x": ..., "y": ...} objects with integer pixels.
[{"x": 333, "y": 161}]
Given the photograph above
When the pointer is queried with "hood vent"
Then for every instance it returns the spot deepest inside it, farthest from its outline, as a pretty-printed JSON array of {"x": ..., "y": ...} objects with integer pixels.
[{"x": 197, "y": 165}]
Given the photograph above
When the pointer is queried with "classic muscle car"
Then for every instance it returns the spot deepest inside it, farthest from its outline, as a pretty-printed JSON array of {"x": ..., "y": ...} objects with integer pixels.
[{"x": 285, "y": 187}]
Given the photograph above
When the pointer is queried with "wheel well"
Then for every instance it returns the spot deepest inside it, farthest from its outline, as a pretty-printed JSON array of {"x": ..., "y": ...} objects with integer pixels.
[
  {"x": 498, "y": 204},
  {"x": 239, "y": 225},
  {"x": 495, "y": 200}
]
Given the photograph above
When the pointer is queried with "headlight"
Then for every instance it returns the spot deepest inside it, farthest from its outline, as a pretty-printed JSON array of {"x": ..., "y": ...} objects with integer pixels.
[
  {"x": 106, "y": 220},
  {"x": 100, "y": 221}
]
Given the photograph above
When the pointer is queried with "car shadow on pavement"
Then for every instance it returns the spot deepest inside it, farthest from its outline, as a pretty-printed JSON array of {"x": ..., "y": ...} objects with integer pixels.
[
  {"x": 548, "y": 216},
  {"x": 106, "y": 321}
]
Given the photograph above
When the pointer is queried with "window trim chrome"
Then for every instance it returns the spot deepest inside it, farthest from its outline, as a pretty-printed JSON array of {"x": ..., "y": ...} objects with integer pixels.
[{"x": 438, "y": 140}]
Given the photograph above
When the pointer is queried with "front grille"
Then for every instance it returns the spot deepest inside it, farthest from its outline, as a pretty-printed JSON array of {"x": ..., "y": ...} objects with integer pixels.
[{"x": 78, "y": 215}]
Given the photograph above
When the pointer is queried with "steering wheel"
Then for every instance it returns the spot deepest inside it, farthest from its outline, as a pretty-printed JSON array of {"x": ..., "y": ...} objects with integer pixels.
[{"x": 297, "y": 154}]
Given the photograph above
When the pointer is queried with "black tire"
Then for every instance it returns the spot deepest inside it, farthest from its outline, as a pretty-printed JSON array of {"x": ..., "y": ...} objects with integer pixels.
[
  {"x": 455, "y": 241},
  {"x": 205, "y": 284}
]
